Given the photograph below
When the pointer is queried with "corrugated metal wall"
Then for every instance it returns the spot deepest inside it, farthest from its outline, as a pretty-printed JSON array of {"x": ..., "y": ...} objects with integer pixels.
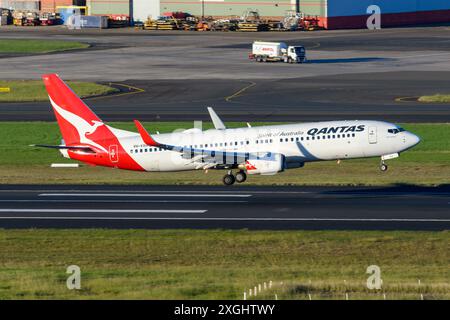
[
  {"x": 106, "y": 7},
  {"x": 43, "y": 5},
  {"x": 22, "y": 5},
  {"x": 228, "y": 7},
  {"x": 314, "y": 7}
]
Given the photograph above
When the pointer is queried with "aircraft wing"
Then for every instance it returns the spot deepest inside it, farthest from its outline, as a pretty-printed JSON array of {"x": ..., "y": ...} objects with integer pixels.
[{"x": 207, "y": 157}]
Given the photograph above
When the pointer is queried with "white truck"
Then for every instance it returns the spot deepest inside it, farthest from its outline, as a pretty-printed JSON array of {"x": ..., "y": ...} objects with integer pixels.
[{"x": 277, "y": 51}]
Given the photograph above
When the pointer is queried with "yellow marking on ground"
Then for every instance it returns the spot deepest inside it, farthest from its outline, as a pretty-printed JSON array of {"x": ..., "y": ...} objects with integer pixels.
[
  {"x": 403, "y": 99},
  {"x": 317, "y": 44},
  {"x": 137, "y": 90},
  {"x": 5, "y": 90},
  {"x": 239, "y": 92}
]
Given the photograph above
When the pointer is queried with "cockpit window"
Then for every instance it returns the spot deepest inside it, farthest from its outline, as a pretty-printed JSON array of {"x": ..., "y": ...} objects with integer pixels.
[{"x": 396, "y": 130}]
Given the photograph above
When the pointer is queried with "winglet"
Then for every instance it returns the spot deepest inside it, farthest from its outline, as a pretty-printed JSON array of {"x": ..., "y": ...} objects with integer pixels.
[
  {"x": 218, "y": 124},
  {"x": 146, "y": 137}
]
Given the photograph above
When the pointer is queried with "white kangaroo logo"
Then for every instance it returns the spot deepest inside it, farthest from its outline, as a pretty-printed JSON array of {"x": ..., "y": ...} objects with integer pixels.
[{"x": 83, "y": 127}]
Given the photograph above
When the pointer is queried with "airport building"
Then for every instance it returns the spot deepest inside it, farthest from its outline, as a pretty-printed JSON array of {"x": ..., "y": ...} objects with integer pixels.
[
  {"x": 137, "y": 9},
  {"x": 332, "y": 14}
]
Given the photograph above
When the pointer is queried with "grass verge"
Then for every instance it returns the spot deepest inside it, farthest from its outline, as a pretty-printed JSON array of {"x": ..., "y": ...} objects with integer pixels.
[
  {"x": 426, "y": 164},
  {"x": 221, "y": 264},
  {"x": 34, "y": 90},
  {"x": 38, "y": 46},
  {"x": 440, "y": 98}
]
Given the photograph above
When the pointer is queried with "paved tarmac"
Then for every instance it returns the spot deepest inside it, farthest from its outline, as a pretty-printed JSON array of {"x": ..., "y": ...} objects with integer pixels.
[
  {"x": 350, "y": 74},
  {"x": 338, "y": 97}
]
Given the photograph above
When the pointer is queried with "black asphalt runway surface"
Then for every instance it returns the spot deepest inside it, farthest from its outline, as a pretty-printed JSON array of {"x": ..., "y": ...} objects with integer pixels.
[
  {"x": 237, "y": 207},
  {"x": 340, "y": 97}
]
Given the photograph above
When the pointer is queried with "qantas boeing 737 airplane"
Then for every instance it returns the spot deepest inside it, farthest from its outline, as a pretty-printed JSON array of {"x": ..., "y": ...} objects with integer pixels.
[{"x": 264, "y": 150}]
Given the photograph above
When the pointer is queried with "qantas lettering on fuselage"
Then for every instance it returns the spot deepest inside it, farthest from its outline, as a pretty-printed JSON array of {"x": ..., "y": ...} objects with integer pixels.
[{"x": 342, "y": 129}]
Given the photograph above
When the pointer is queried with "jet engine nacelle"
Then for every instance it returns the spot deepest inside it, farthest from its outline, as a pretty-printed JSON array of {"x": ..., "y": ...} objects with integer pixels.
[{"x": 266, "y": 164}]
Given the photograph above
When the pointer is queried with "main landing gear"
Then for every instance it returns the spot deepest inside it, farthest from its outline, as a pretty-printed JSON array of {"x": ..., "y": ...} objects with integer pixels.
[
  {"x": 383, "y": 166},
  {"x": 229, "y": 178},
  {"x": 241, "y": 176}
]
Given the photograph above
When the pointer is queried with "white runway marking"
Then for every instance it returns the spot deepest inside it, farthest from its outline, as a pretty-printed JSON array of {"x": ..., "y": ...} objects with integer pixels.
[
  {"x": 125, "y": 201},
  {"x": 225, "y": 219},
  {"x": 155, "y": 191},
  {"x": 103, "y": 210},
  {"x": 201, "y": 195}
]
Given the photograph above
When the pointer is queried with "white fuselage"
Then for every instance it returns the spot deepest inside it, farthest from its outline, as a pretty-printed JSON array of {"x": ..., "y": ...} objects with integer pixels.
[{"x": 299, "y": 143}]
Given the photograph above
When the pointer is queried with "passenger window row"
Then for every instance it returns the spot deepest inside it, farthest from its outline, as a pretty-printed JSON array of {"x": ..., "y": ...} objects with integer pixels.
[
  {"x": 324, "y": 137},
  {"x": 227, "y": 144},
  {"x": 143, "y": 150}
]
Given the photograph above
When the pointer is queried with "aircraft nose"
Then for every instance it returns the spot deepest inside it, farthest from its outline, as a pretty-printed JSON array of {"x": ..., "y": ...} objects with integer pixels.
[{"x": 412, "y": 139}]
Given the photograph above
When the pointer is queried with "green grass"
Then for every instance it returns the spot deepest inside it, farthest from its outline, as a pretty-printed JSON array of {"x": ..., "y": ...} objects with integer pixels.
[
  {"x": 426, "y": 164},
  {"x": 440, "y": 98},
  {"x": 218, "y": 264},
  {"x": 34, "y": 90},
  {"x": 38, "y": 46}
]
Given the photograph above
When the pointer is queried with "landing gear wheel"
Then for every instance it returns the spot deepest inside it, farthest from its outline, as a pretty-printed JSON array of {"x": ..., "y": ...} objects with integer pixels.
[
  {"x": 228, "y": 179},
  {"x": 383, "y": 167},
  {"x": 241, "y": 176}
]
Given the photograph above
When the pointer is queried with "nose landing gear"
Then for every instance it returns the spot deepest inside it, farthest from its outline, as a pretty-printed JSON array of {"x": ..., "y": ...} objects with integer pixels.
[
  {"x": 383, "y": 166},
  {"x": 230, "y": 179}
]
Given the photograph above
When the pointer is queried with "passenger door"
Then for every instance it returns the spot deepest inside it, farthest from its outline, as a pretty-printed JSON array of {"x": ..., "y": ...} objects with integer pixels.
[
  {"x": 372, "y": 134},
  {"x": 113, "y": 153}
]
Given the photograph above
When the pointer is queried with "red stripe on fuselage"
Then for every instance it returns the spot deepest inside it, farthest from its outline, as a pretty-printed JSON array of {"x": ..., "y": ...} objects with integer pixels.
[{"x": 121, "y": 160}]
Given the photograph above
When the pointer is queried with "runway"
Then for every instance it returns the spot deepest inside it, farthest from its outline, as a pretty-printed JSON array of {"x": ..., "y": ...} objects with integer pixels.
[{"x": 238, "y": 207}]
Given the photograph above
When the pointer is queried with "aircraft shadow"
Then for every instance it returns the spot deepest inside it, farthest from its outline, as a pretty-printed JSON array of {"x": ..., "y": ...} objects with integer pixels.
[{"x": 347, "y": 60}]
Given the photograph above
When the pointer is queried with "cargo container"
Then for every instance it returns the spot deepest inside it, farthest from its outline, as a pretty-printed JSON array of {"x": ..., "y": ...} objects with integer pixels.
[
  {"x": 4, "y": 20},
  {"x": 143, "y": 9},
  {"x": 48, "y": 19},
  {"x": 6, "y": 17},
  {"x": 99, "y": 22},
  {"x": 66, "y": 12}
]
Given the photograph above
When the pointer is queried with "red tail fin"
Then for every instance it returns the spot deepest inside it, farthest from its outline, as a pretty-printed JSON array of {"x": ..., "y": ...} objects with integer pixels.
[{"x": 75, "y": 119}]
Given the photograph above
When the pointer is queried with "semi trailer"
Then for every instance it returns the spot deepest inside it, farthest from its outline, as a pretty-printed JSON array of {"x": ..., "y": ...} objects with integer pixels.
[{"x": 277, "y": 51}]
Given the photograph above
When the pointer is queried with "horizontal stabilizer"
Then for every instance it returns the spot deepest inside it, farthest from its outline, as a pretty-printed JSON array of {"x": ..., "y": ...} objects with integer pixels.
[{"x": 81, "y": 148}]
